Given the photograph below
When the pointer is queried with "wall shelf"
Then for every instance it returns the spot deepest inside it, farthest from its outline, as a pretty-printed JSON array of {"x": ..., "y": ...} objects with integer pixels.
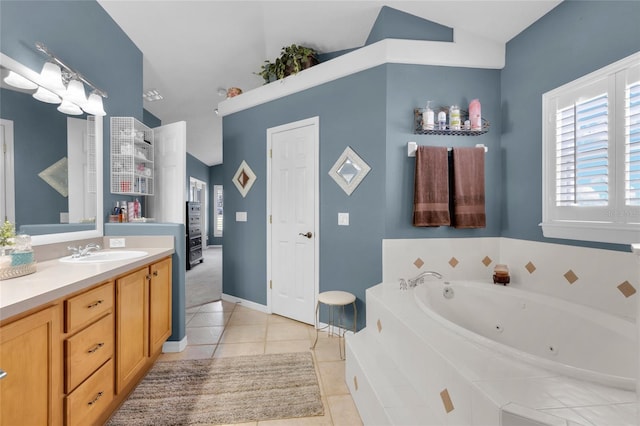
[
  {"x": 417, "y": 125},
  {"x": 132, "y": 153}
]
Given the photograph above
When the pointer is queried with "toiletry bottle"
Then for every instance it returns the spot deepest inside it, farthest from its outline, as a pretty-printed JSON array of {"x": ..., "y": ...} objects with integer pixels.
[
  {"x": 454, "y": 117},
  {"x": 475, "y": 115},
  {"x": 427, "y": 118},
  {"x": 123, "y": 211},
  {"x": 442, "y": 120},
  {"x": 136, "y": 209}
]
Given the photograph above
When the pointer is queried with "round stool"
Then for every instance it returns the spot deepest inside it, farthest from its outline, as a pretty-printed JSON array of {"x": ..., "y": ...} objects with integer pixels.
[{"x": 338, "y": 299}]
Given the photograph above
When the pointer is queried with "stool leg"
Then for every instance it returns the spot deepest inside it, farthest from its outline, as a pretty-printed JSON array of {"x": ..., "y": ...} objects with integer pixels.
[
  {"x": 341, "y": 335},
  {"x": 317, "y": 325}
]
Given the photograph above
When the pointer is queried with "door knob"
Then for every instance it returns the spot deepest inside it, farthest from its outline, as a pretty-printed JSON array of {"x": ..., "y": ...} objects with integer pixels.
[{"x": 308, "y": 234}]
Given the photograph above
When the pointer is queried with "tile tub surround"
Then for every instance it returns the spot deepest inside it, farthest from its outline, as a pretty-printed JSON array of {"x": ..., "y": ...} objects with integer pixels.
[
  {"x": 411, "y": 370},
  {"x": 602, "y": 279}
]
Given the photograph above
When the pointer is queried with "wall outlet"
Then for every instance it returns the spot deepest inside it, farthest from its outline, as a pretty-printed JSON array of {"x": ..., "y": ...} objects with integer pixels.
[
  {"x": 241, "y": 216},
  {"x": 343, "y": 219},
  {"x": 116, "y": 242}
]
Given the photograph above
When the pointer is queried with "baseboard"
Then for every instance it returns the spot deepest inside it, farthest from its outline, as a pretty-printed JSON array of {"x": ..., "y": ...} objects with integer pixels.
[
  {"x": 247, "y": 303},
  {"x": 173, "y": 346}
]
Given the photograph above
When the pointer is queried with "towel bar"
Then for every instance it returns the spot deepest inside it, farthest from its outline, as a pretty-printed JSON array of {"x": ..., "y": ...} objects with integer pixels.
[{"x": 412, "y": 147}]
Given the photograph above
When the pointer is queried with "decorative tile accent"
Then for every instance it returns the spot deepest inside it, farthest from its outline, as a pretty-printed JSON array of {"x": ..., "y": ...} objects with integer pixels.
[
  {"x": 487, "y": 261},
  {"x": 355, "y": 382},
  {"x": 453, "y": 262},
  {"x": 349, "y": 170},
  {"x": 627, "y": 289},
  {"x": 530, "y": 267},
  {"x": 244, "y": 178},
  {"x": 419, "y": 262},
  {"x": 379, "y": 324},
  {"x": 571, "y": 276},
  {"x": 446, "y": 401}
]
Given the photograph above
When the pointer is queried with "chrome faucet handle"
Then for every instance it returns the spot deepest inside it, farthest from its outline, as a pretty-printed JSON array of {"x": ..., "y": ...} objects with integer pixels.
[
  {"x": 75, "y": 251},
  {"x": 403, "y": 284}
]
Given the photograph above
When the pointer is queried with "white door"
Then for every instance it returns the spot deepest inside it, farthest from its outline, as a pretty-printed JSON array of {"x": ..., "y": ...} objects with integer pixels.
[
  {"x": 292, "y": 198},
  {"x": 7, "y": 188},
  {"x": 170, "y": 173}
]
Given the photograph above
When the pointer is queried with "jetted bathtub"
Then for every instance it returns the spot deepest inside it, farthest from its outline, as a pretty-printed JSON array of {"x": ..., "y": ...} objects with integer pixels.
[{"x": 550, "y": 333}]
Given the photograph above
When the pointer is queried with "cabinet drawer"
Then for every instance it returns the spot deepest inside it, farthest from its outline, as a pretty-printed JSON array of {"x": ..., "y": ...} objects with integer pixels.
[
  {"x": 88, "y": 350},
  {"x": 85, "y": 405},
  {"x": 87, "y": 307}
]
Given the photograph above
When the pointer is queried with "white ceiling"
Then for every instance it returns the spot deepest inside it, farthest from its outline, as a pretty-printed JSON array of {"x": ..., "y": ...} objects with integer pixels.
[{"x": 193, "y": 48}]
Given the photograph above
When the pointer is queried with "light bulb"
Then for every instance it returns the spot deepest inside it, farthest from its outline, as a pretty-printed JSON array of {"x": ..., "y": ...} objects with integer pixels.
[
  {"x": 47, "y": 96},
  {"x": 52, "y": 77},
  {"x": 70, "y": 108},
  {"x": 16, "y": 80},
  {"x": 94, "y": 105}
]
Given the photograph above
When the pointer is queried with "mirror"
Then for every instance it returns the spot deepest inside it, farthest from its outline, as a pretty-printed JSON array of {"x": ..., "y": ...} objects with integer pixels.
[
  {"x": 349, "y": 170},
  {"x": 52, "y": 176}
]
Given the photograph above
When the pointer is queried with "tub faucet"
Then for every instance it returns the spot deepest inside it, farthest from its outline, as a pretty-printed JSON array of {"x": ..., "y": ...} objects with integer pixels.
[
  {"x": 85, "y": 251},
  {"x": 419, "y": 279}
]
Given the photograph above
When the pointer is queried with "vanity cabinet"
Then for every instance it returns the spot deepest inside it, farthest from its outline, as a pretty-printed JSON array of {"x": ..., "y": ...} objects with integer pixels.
[
  {"x": 143, "y": 319},
  {"x": 32, "y": 369},
  {"x": 132, "y": 144}
]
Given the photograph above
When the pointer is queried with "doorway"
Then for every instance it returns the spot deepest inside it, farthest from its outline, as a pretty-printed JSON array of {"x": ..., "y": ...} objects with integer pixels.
[
  {"x": 198, "y": 192},
  {"x": 293, "y": 219}
]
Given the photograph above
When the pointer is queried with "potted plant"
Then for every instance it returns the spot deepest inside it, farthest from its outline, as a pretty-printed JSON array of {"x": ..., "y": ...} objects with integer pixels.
[
  {"x": 7, "y": 237},
  {"x": 292, "y": 60}
]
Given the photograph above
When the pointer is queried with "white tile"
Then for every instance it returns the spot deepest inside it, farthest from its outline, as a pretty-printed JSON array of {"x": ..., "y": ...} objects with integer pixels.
[
  {"x": 609, "y": 415},
  {"x": 570, "y": 415}
]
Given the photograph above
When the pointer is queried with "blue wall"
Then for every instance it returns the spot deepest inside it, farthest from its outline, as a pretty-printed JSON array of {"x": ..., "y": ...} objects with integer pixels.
[
  {"x": 572, "y": 40},
  {"x": 85, "y": 37},
  {"x": 393, "y": 23}
]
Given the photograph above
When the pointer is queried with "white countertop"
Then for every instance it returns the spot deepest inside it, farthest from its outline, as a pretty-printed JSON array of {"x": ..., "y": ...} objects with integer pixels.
[{"x": 54, "y": 280}]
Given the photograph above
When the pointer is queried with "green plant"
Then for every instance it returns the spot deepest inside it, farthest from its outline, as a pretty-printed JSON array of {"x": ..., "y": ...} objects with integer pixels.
[
  {"x": 292, "y": 60},
  {"x": 7, "y": 234}
]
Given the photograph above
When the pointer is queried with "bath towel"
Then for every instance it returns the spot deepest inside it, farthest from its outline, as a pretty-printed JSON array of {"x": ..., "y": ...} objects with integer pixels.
[
  {"x": 431, "y": 191},
  {"x": 468, "y": 188}
]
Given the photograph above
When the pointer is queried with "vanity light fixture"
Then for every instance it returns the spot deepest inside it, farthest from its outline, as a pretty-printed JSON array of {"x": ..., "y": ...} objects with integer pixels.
[
  {"x": 60, "y": 80},
  {"x": 16, "y": 80},
  {"x": 45, "y": 95}
]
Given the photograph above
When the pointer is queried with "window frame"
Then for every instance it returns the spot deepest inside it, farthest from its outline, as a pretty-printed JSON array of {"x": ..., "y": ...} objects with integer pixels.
[{"x": 616, "y": 222}]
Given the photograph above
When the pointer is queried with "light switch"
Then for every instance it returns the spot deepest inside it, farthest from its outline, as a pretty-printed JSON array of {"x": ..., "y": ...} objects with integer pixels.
[
  {"x": 241, "y": 216},
  {"x": 343, "y": 219}
]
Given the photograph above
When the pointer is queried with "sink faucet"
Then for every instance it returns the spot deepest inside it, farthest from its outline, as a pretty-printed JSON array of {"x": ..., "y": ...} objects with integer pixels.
[
  {"x": 418, "y": 279},
  {"x": 85, "y": 251}
]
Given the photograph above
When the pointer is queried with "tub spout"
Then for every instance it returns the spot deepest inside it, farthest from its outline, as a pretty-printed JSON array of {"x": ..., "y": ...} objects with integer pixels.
[{"x": 419, "y": 279}]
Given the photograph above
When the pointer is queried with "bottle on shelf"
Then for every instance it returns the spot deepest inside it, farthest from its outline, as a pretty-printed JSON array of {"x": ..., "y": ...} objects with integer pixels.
[
  {"x": 442, "y": 120},
  {"x": 428, "y": 118},
  {"x": 454, "y": 117},
  {"x": 475, "y": 115}
]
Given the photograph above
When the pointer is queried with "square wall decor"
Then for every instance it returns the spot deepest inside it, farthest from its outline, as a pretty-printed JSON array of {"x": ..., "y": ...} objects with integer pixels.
[
  {"x": 244, "y": 178},
  {"x": 349, "y": 170}
]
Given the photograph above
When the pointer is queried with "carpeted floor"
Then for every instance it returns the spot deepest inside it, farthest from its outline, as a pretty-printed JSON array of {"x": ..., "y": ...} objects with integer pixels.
[
  {"x": 223, "y": 391},
  {"x": 204, "y": 280}
]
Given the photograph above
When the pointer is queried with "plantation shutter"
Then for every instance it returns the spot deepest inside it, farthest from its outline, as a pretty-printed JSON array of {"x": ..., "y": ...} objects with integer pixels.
[
  {"x": 632, "y": 145},
  {"x": 582, "y": 153}
]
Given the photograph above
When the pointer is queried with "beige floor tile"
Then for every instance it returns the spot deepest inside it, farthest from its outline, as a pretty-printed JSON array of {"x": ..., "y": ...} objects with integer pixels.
[
  {"x": 243, "y": 333},
  {"x": 192, "y": 310},
  {"x": 244, "y": 316},
  {"x": 343, "y": 411},
  {"x": 239, "y": 349},
  {"x": 190, "y": 352},
  {"x": 204, "y": 319},
  {"x": 288, "y": 331},
  {"x": 203, "y": 335},
  {"x": 332, "y": 378},
  {"x": 274, "y": 319},
  {"x": 327, "y": 349},
  {"x": 217, "y": 306},
  {"x": 286, "y": 346}
]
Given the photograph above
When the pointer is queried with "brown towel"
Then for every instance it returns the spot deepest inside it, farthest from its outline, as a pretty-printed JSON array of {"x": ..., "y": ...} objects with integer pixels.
[
  {"x": 431, "y": 193},
  {"x": 468, "y": 196}
]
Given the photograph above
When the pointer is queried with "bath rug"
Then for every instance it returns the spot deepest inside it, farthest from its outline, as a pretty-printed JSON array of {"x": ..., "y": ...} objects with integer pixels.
[{"x": 223, "y": 391}]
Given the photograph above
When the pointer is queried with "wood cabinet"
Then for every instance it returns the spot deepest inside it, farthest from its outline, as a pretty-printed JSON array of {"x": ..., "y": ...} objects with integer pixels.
[
  {"x": 143, "y": 319},
  {"x": 75, "y": 361},
  {"x": 30, "y": 358}
]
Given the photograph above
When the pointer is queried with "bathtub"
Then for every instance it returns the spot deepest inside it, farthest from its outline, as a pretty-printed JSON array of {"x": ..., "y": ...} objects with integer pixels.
[
  {"x": 566, "y": 338},
  {"x": 475, "y": 353}
]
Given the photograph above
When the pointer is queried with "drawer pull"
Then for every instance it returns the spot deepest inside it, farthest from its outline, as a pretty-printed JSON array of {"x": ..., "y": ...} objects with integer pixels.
[
  {"x": 3, "y": 374},
  {"x": 96, "y": 347},
  {"x": 94, "y": 304},
  {"x": 98, "y": 396},
  {"x": 155, "y": 273}
]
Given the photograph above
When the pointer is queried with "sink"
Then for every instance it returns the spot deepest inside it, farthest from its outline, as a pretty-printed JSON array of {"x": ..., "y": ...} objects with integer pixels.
[{"x": 105, "y": 256}]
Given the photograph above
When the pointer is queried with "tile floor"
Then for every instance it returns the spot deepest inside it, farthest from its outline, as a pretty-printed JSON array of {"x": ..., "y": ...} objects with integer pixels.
[{"x": 223, "y": 329}]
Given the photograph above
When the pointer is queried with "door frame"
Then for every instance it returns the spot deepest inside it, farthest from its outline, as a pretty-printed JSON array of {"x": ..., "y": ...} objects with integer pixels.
[{"x": 315, "y": 122}]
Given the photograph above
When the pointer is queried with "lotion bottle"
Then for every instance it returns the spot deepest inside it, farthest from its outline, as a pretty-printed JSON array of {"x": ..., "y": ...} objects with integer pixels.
[
  {"x": 475, "y": 115},
  {"x": 454, "y": 117},
  {"x": 442, "y": 120}
]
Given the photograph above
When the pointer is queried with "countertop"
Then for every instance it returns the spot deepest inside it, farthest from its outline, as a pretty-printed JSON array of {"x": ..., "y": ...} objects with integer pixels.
[{"x": 54, "y": 280}]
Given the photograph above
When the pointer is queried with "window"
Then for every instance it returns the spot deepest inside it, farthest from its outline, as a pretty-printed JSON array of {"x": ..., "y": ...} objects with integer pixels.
[
  {"x": 591, "y": 156},
  {"x": 218, "y": 202}
]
